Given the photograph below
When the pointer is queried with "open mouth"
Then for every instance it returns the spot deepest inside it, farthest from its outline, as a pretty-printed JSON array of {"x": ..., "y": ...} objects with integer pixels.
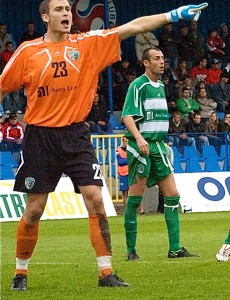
[{"x": 65, "y": 22}]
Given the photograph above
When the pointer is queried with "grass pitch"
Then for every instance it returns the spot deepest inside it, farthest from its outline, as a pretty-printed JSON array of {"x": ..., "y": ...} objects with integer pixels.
[{"x": 64, "y": 266}]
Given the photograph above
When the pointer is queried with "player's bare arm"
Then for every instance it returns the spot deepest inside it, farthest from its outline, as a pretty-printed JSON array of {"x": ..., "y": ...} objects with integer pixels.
[
  {"x": 141, "y": 142},
  {"x": 150, "y": 23}
]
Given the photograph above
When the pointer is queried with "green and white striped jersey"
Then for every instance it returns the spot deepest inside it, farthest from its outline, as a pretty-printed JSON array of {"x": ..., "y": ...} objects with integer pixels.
[{"x": 146, "y": 103}]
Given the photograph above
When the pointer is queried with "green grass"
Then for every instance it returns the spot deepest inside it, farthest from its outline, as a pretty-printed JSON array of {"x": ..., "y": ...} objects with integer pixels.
[{"x": 64, "y": 266}]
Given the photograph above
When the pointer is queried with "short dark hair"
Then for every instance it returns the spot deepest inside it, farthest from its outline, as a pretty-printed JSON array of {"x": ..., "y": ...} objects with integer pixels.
[
  {"x": 185, "y": 89},
  {"x": 224, "y": 75},
  {"x": 197, "y": 113},
  {"x": 146, "y": 55},
  {"x": 176, "y": 113},
  {"x": 30, "y": 22},
  {"x": 8, "y": 43},
  {"x": 44, "y": 7}
]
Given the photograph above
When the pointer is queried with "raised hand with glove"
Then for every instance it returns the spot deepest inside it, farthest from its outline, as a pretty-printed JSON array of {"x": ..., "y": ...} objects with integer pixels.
[
  {"x": 188, "y": 12},
  {"x": 150, "y": 23}
]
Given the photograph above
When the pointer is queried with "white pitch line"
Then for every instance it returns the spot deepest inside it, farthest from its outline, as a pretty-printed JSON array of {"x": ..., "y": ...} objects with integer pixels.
[
  {"x": 176, "y": 261},
  {"x": 48, "y": 263},
  {"x": 52, "y": 263}
]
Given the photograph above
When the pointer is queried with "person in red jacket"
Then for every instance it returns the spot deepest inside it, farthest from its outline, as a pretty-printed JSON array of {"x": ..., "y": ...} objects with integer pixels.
[
  {"x": 5, "y": 55},
  {"x": 216, "y": 47},
  {"x": 200, "y": 71},
  {"x": 13, "y": 133},
  {"x": 214, "y": 72}
]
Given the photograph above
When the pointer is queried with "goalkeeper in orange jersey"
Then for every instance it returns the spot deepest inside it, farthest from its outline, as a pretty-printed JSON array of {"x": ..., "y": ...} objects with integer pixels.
[{"x": 60, "y": 74}]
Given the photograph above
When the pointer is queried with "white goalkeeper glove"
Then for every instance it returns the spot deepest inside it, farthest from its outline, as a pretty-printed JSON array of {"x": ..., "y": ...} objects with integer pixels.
[{"x": 188, "y": 12}]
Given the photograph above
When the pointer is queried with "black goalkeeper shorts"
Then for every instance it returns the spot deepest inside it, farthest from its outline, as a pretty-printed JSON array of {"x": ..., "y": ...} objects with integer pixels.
[{"x": 48, "y": 152}]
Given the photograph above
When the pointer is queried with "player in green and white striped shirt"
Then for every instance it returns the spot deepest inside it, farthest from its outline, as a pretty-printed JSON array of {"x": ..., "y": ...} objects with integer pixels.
[{"x": 145, "y": 116}]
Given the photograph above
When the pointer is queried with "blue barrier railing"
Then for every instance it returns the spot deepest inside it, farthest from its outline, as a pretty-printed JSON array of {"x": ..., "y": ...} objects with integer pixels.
[
  {"x": 200, "y": 152},
  {"x": 196, "y": 153}
]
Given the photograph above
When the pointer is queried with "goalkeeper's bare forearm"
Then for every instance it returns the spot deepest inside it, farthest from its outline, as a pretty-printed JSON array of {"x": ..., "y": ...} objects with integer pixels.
[{"x": 150, "y": 23}]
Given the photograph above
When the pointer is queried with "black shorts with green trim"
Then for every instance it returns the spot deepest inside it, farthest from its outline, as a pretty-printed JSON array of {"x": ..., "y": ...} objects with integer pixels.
[{"x": 50, "y": 152}]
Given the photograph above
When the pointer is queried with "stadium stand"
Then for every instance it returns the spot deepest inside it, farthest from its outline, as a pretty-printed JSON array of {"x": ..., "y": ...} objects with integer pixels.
[
  {"x": 6, "y": 172},
  {"x": 7, "y": 164},
  {"x": 193, "y": 165},
  {"x": 211, "y": 165}
]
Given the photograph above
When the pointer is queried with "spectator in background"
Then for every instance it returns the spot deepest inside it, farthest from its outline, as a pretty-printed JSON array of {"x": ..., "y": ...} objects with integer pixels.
[
  {"x": 168, "y": 43},
  {"x": 186, "y": 46},
  {"x": 130, "y": 76},
  {"x": 11, "y": 102},
  {"x": 122, "y": 162},
  {"x": 212, "y": 131},
  {"x": 190, "y": 85},
  {"x": 200, "y": 70},
  {"x": 225, "y": 35},
  {"x": 111, "y": 25},
  {"x": 1, "y": 131},
  {"x": 98, "y": 118},
  {"x": 13, "y": 133},
  {"x": 202, "y": 84},
  {"x": 212, "y": 123},
  {"x": 197, "y": 130},
  {"x": 116, "y": 81},
  {"x": 177, "y": 132},
  {"x": 74, "y": 29},
  {"x": 216, "y": 46},
  {"x": 123, "y": 169},
  {"x": 197, "y": 41},
  {"x": 1, "y": 128},
  {"x": 168, "y": 71},
  {"x": 214, "y": 72},
  {"x": 224, "y": 125},
  {"x": 5, "y": 37},
  {"x": 187, "y": 105},
  {"x": 221, "y": 93},
  {"x": 171, "y": 93},
  {"x": 144, "y": 41},
  {"x": 182, "y": 71},
  {"x": 122, "y": 68},
  {"x": 30, "y": 33},
  {"x": 1, "y": 110},
  {"x": 6, "y": 55},
  {"x": 207, "y": 105}
]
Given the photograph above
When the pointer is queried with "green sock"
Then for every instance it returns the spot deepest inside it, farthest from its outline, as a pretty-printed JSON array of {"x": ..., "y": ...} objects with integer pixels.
[
  {"x": 172, "y": 221},
  {"x": 227, "y": 241},
  {"x": 131, "y": 222}
]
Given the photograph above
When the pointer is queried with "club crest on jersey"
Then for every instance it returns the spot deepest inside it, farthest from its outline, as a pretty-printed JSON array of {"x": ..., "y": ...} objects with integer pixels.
[
  {"x": 89, "y": 15},
  {"x": 73, "y": 54},
  {"x": 140, "y": 169},
  {"x": 29, "y": 183}
]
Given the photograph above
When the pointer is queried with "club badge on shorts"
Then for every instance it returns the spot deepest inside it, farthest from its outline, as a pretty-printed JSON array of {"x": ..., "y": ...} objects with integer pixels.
[
  {"x": 29, "y": 183},
  {"x": 140, "y": 169}
]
